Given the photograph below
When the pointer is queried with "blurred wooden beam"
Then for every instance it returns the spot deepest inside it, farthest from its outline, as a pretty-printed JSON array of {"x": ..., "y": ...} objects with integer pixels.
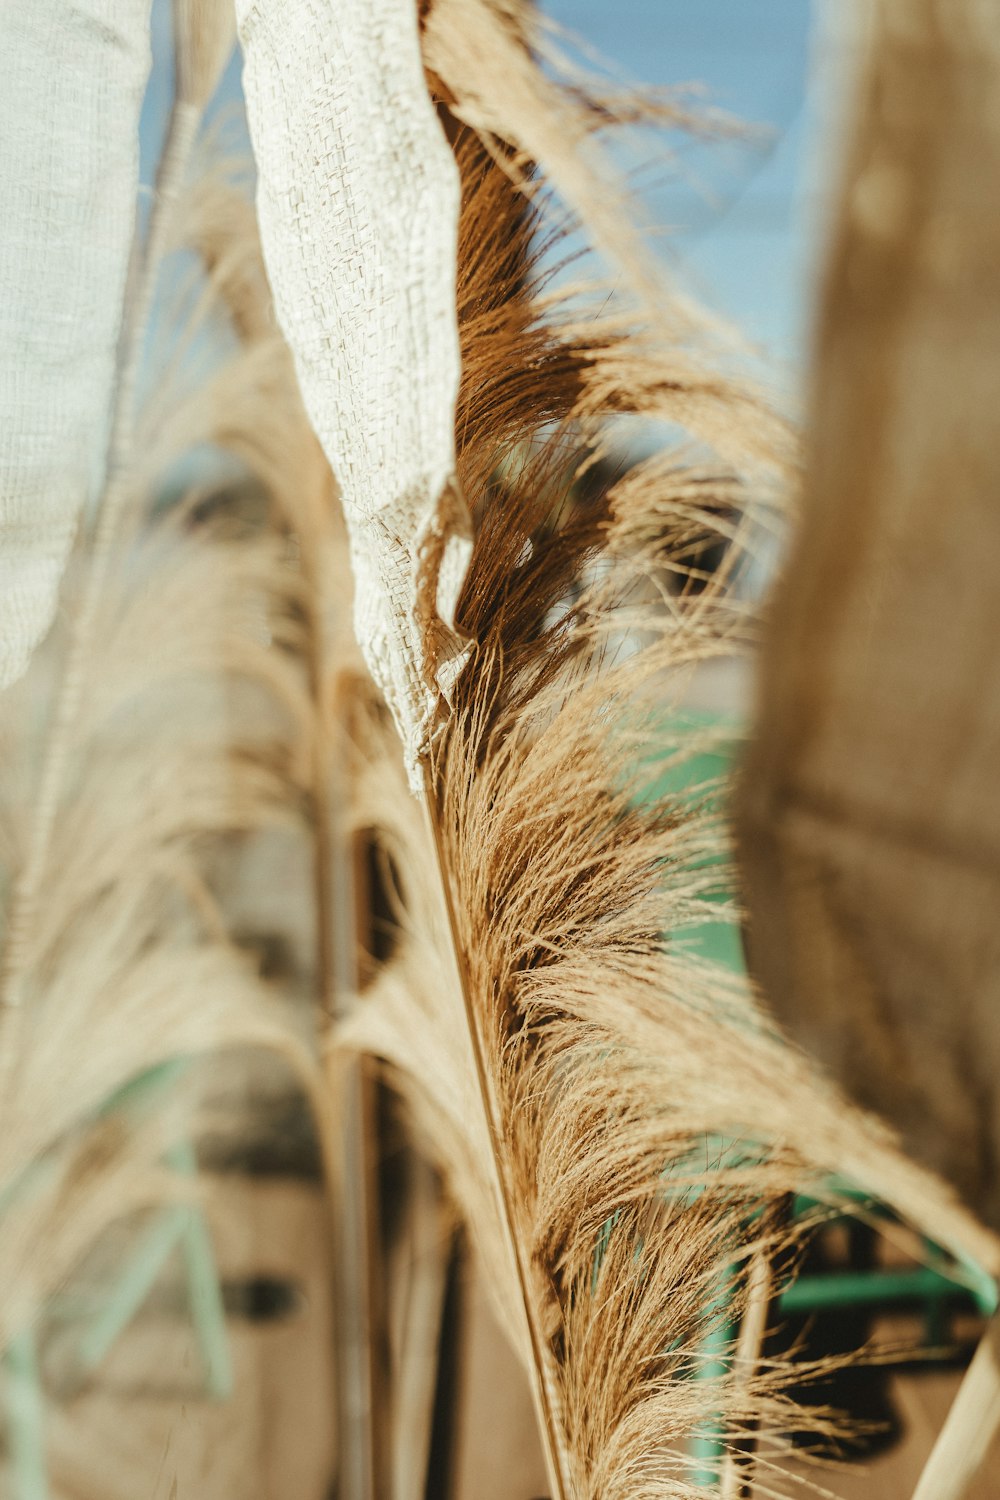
[{"x": 869, "y": 819}]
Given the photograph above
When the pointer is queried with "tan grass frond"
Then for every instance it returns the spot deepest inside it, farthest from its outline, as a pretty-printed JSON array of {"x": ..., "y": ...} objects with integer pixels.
[
  {"x": 648, "y": 1119},
  {"x": 486, "y": 56},
  {"x": 410, "y": 1014},
  {"x": 170, "y": 722},
  {"x": 263, "y": 424}
]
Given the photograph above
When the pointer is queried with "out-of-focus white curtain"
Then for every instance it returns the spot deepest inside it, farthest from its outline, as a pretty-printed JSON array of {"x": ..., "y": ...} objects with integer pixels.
[
  {"x": 358, "y": 205},
  {"x": 74, "y": 73}
]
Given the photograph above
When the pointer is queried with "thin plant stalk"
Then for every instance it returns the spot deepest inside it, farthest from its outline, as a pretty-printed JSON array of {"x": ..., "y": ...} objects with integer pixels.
[
  {"x": 359, "y": 1392},
  {"x": 970, "y": 1426},
  {"x": 541, "y": 1374},
  {"x": 736, "y": 1479}
]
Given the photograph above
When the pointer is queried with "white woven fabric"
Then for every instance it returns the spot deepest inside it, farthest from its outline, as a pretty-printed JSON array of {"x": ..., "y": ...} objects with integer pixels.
[
  {"x": 74, "y": 72},
  {"x": 358, "y": 199}
]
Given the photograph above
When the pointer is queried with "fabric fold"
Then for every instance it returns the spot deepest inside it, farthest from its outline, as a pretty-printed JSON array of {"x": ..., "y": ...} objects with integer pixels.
[
  {"x": 75, "y": 72},
  {"x": 358, "y": 197}
]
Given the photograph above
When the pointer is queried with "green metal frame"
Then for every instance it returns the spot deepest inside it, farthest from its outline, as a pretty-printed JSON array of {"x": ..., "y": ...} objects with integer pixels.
[
  {"x": 180, "y": 1226},
  {"x": 935, "y": 1285}
]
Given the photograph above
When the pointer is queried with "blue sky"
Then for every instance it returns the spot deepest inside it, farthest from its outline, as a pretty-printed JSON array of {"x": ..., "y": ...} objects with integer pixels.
[{"x": 734, "y": 220}]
